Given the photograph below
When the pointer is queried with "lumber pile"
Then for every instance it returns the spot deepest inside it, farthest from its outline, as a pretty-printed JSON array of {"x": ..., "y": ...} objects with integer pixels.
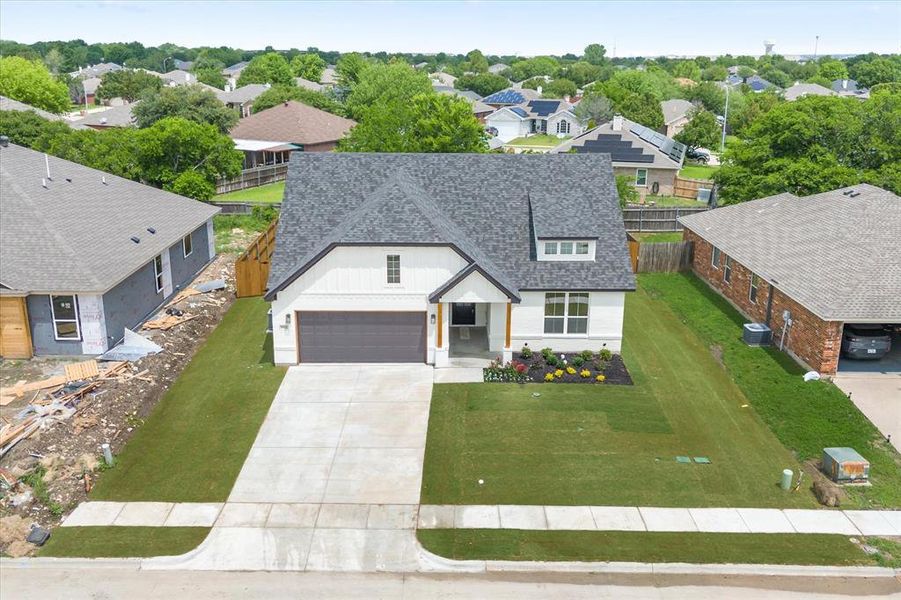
[{"x": 168, "y": 322}]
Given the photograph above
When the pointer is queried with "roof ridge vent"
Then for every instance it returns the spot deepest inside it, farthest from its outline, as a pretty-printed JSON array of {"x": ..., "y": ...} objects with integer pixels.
[
  {"x": 136, "y": 239},
  {"x": 854, "y": 194},
  {"x": 847, "y": 192}
]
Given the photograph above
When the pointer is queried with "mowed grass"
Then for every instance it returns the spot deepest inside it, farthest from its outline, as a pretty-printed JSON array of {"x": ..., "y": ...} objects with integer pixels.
[
  {"x": 606, "y": 444},
  {"x": 194, "y": 442},
  {"x": 805, "y": 416},
  {"x": 698, "y": 171},
  {"x": 671, "y": 201},
  {"x": 122, "y": 542},
  {"x": 541, "y": 139},
  {"x": 741, "y": 548},
  {"x": 272, "y": 192},
  {"x": 658, "y": 238}
]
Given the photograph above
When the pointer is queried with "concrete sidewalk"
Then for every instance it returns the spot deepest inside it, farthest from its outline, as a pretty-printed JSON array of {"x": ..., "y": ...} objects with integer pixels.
[{"x": 878, "y": 396}]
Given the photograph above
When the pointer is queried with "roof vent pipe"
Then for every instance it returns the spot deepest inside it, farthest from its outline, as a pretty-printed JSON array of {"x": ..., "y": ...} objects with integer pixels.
[
  {"x": 617, "y": 122},
  {"x": 103, "y": 180},
  {"x": 47, "y": 166},
  {"x": 4, "y": 141},
  {"x": 43, "y": 183}
]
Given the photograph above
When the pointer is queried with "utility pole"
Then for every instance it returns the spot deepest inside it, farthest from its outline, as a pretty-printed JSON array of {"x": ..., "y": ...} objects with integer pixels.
[{"x": 725, "y": 118}]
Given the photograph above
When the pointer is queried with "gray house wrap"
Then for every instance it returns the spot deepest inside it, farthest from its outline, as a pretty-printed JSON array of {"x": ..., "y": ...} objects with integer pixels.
[{"x": 71, "y": 234}]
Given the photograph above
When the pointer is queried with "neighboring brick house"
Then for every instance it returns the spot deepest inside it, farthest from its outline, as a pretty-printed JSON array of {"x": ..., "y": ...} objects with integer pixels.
[
  {"x": 650, "y": 158},
  {"x": 828, "y": 259},
  {"x": 676, "y": 115}
]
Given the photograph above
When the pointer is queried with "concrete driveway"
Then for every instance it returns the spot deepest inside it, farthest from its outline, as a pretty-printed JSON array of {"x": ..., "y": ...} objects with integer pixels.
[
  {"x": 332, "y": 481},
  {"x": 878, "y": 396}
]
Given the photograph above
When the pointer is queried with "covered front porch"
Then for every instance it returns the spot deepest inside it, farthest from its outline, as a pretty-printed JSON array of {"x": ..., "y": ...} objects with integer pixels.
[{"x": 471, "y": 333}]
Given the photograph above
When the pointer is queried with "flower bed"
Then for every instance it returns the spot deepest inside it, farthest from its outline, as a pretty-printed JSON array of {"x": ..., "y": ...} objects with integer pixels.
[{"x": 548, "y": 366}]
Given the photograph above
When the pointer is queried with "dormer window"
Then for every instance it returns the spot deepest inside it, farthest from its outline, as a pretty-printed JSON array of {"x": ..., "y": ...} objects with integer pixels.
[{"x": 566, "y": 250}]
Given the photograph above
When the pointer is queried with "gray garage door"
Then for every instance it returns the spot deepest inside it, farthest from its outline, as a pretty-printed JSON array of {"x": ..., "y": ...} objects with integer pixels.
[{"x": 362, "y": 336}]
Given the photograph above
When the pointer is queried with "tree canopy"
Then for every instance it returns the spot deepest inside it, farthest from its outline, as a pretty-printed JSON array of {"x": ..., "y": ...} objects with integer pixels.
[
  {"x": 283, "y": 93},
  {"x": 702, "y": 131},
  {"x": 211, "y": 76},
  {"x": 876, "y": 69},
  {"x": 191, "y": 102},
  {"x": 533, "y": 67},
  {"x": 642, "y": 109},
  {"x": 594, "y": 54},
  {"x": 271, "y": 67},
  {"x": 815, "y": 144},
  {"x": 128, "y": 84},
  {"x": 384, "y": 84},
  {"x": 308, "y": 66},
  {"x": 427, "y": 122},
  {"x": 30, "y": 82},
  {"x": 483, "y": 84},
  {"x": 594, "y": 109},
  {"x": 350, "y": 68},
  {"x": 476, "y": 61}
]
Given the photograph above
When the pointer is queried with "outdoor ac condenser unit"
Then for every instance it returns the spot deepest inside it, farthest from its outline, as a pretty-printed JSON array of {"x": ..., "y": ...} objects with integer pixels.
[{"x": 757, "y": 334}]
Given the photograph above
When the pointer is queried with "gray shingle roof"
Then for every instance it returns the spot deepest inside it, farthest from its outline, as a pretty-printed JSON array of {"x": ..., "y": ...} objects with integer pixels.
[
  {"x": 117, "y": 116},
  {"x": 799, "y": 90},
  {"x": 658, "y": 155},
  {"x": 675, "y": 109},
  {"x": 10, "y": 104},
  {"x": 479, "y": 203},
  {"x": 837, "y": 255},
  {"x": 74, "y": 235},
  {"x": 243, "y": 94}
]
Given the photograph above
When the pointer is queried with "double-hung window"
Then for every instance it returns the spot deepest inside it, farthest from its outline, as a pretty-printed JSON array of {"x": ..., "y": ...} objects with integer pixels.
[
  {"x": 550, "y": 247},
  {"x": 563, "y": 126},
  {"x": 727, "y": 269},
  {"x": 566, "y": 312},
  {"x": 64, "y": 310},
  {"x": 187, "y": 245},
  {"x": 158, "y": 272},
  {"x": 393, "y": 263},
  {"x": 752, "y": 293},
  {"x": 581, "y": 247},
  {"x": 715, "y": 258},
  {"x": 566, "y": 247},
  {"x": 641, "y": 177}
]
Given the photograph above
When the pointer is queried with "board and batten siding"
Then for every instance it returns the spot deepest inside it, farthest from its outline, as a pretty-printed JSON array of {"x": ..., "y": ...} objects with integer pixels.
[
  {"x": 605, "y": 324},
  {"x": 354, "y": 278}
]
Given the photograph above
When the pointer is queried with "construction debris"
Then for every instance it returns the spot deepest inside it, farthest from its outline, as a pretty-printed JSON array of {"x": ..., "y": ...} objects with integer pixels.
[
  {"x": 133, "y": 347},
  {"x": 168, "y": 322},
  {"x": 82, "y": 370},
  {"x": 210, "y": 286}
]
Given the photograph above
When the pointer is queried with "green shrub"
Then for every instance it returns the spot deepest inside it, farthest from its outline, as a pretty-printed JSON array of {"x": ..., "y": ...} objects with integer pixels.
[
  {"x": 605, "y": 354},
  {"x": 526, "y": 352},
  {"x": 586, "y": 355},
  {"x": 578, "y": 361}
]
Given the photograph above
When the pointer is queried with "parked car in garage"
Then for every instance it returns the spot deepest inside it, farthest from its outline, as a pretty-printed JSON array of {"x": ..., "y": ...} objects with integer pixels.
[{"x": 866, "y": 341}]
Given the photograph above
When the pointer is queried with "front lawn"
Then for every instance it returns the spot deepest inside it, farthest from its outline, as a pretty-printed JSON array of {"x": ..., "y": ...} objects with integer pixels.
[
  {"x": 541, "y": 139},
  {"x": 611, "y": 445},
  {"x": 698, "y": 171},
  {"x": 734, "y": 548},
  {"x": 805, "y": 416},
  {"x": 658, "y": 238},
  {"x": 194, "y": 442},
  {"x": 122, "y": 542},
  {"x": 272, "y": 192}
]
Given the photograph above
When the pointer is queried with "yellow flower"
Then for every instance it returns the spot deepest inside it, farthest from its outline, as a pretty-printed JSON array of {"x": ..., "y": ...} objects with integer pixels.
[
  {"x": 549, "y": 377},
  {"x": 558, "y": 373},
  {"x": 600, "y": 378},
  {"x": 585, "y": 373},
  {"x": 570, "y": 370}
]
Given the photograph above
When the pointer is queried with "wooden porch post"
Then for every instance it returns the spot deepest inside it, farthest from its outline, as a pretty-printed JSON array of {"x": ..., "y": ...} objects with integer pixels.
[
  {"x": 509, "y": 311},
  {"x": 440, "y": 326}
]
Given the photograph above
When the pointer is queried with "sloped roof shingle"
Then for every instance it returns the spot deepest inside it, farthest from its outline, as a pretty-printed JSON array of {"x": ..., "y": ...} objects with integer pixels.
[{"x": 293, "y": 122}]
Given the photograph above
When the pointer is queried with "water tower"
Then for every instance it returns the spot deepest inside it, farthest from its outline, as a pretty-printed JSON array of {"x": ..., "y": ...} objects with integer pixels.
[{"x": 768, "y": 45}]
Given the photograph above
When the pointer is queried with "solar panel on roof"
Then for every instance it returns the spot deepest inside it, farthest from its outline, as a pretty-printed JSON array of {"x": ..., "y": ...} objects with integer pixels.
[
  {"x": 671, "y": 148},
  {"x": 505, "y": 97},
  {"x": 519, "y": 111},
  {"x": 543, "y": 108}
]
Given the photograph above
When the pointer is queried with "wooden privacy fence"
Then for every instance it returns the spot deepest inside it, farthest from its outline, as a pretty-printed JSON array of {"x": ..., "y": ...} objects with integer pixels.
[
  {"x": 688, "y": 188},
  {"x": 254, "y": 177},
  {"x": 666, "y": 257},
  {"x": 657, "y": 219},
  {"x": 252, "y": 267},
  {"x": 243, "y": 208}
]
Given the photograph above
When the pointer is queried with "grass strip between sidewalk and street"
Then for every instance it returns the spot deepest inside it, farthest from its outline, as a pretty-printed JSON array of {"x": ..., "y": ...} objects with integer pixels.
[
  {"x": 194, "y": 442},
  {"x": 122, "y": 542},
  {"x": 649, "y": 547}
]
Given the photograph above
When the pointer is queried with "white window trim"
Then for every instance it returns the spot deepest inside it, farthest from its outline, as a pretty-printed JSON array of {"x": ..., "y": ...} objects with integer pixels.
[
  {"x": 715, "y": 258},
  {"x": 553, "y": 245},
  {"x": 55, "y": 320},
  {"x": 186, "y": 253},
  {"x": 753, "y": 290},
  {"x": 572, "y": 248},
  {"x": 158, "y": 274},
  {"x": 585, "y": 244},
  {"x": 566, "y": 316},
  {"x": 727, "y": 269},
  {"x": 645, "y": 184},
  {"x": 388, "y": 281}
]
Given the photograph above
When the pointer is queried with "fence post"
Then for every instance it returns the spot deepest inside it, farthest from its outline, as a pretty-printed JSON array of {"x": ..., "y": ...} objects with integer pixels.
[{"x": 640, "y": 219}]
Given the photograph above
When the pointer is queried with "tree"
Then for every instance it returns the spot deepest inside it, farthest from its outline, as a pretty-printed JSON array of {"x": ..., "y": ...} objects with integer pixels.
[
  {"x": 878, "y": 70},
  {"x": 174, "y": 145},
  {"x": 211, "y": 77},
  {"x": 54, "y": 60},
  {"x": 594, "y": 109},
  {"x": 350, "y": 68},
  {"x": 113, "y": 150},
  {"x": 193, "y": 185},
  {"x": 777, "y": 77},
  {"x": 583, "y": 72},
  {"x": 308, "y": 66},
  {"x": 191, "y": 102},
  {"x": 533, "y": 67},
  {"x": 714, "y": 73},
  {"x": 26, "y": 128},
  {"x": 830, "y": 70},
  {"x": 381, "y": 83},
  {"x": 711, "y": 96},
  {"x": 271, "y": 67},
  {"x": 625, "y": 190},
  {"x": 559, "y": 88},
  {"x": 30, "y": 82},
  {"x": 816, "y": 144},
  {"x": 476, "y": 61},
  {"x": 426, "y": 123},
  {"x": 594, "y": 54},
  {"x": 688, "y": 69},
  {"x": 483, "y": 84},
  {"x": 127, "y": 84},
  {"x": 702, "y": 131},
  {"x": 283, "y": 93},
  {"x": 744, "y": 71},
  {"x": 643, "y": 109}
]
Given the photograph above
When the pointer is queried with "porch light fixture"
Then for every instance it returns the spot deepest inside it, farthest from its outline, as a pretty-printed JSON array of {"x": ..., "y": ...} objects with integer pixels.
[
  {"x": 432, "y": 319},
  {"x": 287, "y": 321}
]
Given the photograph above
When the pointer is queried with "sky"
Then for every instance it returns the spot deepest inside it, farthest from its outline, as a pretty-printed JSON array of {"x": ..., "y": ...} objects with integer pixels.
[{"x": 495, "y": 27}]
